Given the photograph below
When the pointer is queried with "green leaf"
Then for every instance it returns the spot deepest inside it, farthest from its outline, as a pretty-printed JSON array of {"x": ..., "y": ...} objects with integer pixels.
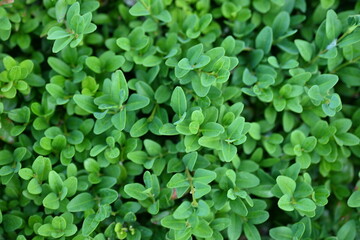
[
  {"x": 82, "y": 202},
  {"x": 172, "y": 223},
  {"x": 354, "y": 200},
  {"x": 59, "y": 45},
  {"x": 86, "y": 103},
  {"x": 212, "y": 129},
  {"x": 305, "y": 205},
  {"x": 12, "y": 222},
  {"x": 41, "y": 167},
  {"x": 51, "y": 201},
  {"x": 184, "y": 210},
  {"x": 34, "y": 187},
  {"x": 204, "y": 176},
  {"x": 185, "y": 64},
  {"x": 152, "y": 147},
  {"x": 26, "y": 173},
  {"x": 107, "y": 196},
  {"x": 202, "y": 230},
  {"x": 350, "y": 39},
  {"x": 162, "y": 94},
  {"x": 59, "y": 66},
  {"x": 46, "y": 230},
  {"x": 178, "y": 101},
  {"x": 248, "y": 78},
  {"x": 60, "y": 10},
  {"x": 55, "y": 181},
  {"x": 136, "y": 190},
  {"x": 347, "y": 231},
  {"x": 178, "y": 180},
  {"x": 138, "y": 157},
  {"x": 239, "y": 207},
  {"x": 89, "y": 225},
  {"x": 20, "y": 115},
  {"x": 55, "y": 90},
  {"x": 118, "y": 84},
  {"x": 123, "y": 43},
  {"x": 190, "y": 160},
  {"x": 235, "y": 227},
  {"x": 246, "y": 180},
  {"x": 286, "y": 185},
  {"x": 139, "y": 10},
  {"x": 94, "y": 64},
  {"x": 331, "y": 18},
  {"x": 264, "y": 39},
  {"x": 281, "y": 24},
  {"x": 228, "y": 151},
  {"x": 255, "y": 131},
  {"x": 327, "y": 3},
  {"x": 251, "y": 231},
  {"x": 119, "y": 120},
  {"x": 349, "y": 75},
  {"x": 140, "y": 128},
  {"x": 285, "y": 203},
  {"x": 234, "y": 130},
  {"x": 281, "y": 233},
  {"x": 137, "y": 102},
  {"x": 305, "y": 49},
  {"x": 258, "y": 217}
]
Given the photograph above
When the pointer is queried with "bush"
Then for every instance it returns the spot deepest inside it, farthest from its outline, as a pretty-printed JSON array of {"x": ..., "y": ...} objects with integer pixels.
[{"x": 183, "y": 119}]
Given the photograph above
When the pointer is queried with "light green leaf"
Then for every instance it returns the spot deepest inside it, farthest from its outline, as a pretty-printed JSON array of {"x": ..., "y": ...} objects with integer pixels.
[
  {"x": 178, "y": 101},
  {"x": 354, "y": 200},
  {"x": 82, "y": 202},
  {"x": 305, "y": 49},
  {"x": 286, "y": 184}
]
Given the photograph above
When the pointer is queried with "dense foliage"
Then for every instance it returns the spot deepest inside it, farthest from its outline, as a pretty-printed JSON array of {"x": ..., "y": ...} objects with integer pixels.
[{"x": 179, "y": 119}]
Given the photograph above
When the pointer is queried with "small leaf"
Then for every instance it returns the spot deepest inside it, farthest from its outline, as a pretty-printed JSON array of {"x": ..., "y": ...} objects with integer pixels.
[
  {"x": 51, "y": 201},
  {"x": 305, "y": 49},
  {"x": 177, "y": 181},
  {"x": 94, "y": 64},
  {"x": 82, "y": 202},
  {"x": 136, "y": 190},
  {"x": 281, "y": 233},
  {"x": 286, "y": 184},
  {"x": 59, "y": 66},
  {"x": 331, "y": 18},
  {"x": 354, "y": 200},
  {"x": 107, "y": 196},
  {"x": 347, "y": 231},
  {"x": 140, "y": 128},
  {"x": 178, "y": 101},
  {"x": 264, "y": 39},
  {"x": 86, "y": 103},
  {"x": 136, "y": 102},
  {"x": 89, "y": 225}
]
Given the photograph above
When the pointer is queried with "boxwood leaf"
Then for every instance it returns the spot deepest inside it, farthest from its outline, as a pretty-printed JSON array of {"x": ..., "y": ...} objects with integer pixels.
[
  {"x": 178, "y": 101},
  {"x": 264, "y": 39},
  {"x": 81, "y": 202},
  {"x": 286, "y": 184},
  {"x": 137, "y": 102},
  {"x": 85, "y": 102},
  {"x": 354, "y": 200}
]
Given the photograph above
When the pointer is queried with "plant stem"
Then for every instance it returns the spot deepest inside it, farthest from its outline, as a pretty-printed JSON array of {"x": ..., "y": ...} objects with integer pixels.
[
  {"x": 345, "y": 64},
  {"x": 192, "y": 189}
]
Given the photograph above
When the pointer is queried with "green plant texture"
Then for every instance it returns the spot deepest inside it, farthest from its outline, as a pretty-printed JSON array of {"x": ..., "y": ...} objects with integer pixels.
[{"x": 180, "y": 119}]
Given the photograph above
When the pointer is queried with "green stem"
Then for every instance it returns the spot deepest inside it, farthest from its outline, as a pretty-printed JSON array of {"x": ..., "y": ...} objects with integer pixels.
[
  {"x": 192, "y": 189},
  {"x": 350, "y": 30},
  {"x": 152, "y": 115},
  {"x": 345, "y": 64}
]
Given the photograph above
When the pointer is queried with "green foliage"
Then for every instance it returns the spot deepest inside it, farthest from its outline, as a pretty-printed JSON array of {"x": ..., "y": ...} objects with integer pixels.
[{"x": 179, "y": 119}]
